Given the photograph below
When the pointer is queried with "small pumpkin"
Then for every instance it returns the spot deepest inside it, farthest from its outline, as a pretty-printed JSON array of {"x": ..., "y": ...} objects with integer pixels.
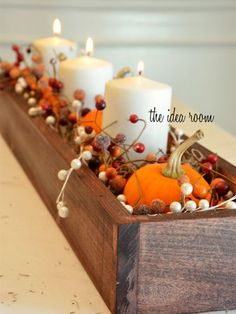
[
  {"x": 160, "y": 180},
  {"x": 90, "y": 118}
]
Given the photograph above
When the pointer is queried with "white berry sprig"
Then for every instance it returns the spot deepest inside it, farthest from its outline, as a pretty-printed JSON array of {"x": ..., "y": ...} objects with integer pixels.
[{"x": 64, "y": 175}]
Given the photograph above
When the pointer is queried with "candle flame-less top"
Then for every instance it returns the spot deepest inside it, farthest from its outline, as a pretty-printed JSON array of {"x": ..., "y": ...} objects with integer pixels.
[
  {"x": 89, "y": 47},
  {"x": 139, "y": 95},
  {"x": 56, "y": 27},
  {"x": 140, "y": 67}
]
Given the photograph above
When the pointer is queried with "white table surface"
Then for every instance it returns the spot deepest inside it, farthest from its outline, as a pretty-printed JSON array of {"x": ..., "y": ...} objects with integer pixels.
[{"x": 39, "y": 273}]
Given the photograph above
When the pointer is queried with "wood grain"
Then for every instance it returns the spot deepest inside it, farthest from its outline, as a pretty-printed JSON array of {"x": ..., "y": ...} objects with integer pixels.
[
  {"x": 187, "y": 266},
  {"x": 127, "y": 273}
]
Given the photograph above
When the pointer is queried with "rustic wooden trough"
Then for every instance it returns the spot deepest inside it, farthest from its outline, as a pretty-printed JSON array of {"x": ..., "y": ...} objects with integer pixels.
[{"x": 165, "y": 264}]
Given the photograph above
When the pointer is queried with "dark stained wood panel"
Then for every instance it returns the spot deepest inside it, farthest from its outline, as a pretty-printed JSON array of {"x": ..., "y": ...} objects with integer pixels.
[
  {"x": 127, "y": 273},
  {"x": 187, "y": 266}
]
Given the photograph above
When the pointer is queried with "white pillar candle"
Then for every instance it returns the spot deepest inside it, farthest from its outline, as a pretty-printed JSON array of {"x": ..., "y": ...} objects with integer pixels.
[
  {"x": 87, "y": 73},
  {"x": 138, "y": 95},
  {"x": 51, "y": 47}
]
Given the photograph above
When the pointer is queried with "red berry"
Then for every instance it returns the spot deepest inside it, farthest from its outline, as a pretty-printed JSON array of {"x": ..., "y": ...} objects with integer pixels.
[
  {"x": 222, "y": 188},
  {"x": 72, "y": 117},
  {"x": 133, "y": 118},
  {"x": 206, "y": 167},
  {"x": 63, "y": 121},
  {"x": 20, "y": 57},
  {"x": 52, "y": 82},
  {"x": 99, "y": 98},
  {"x": 60, "y": 85},
  {"x": 139, "y": 147},
  {"x": 115, "y": 164},
  {"x": 45, "y": 105},
  {"x": 121, "y": 159},
  {"x": 163, "y": 159},
  {"x": 101, "y": 105},
  {"x": 215, "y": 181},
  {"x": 16, "y": 48},
  {"x": 212, "y": 158},
  {"x": 88, "y": 129}
]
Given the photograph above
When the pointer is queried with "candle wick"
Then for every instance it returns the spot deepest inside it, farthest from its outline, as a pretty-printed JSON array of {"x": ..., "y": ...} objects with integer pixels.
[{"x": 140, "y": 73}]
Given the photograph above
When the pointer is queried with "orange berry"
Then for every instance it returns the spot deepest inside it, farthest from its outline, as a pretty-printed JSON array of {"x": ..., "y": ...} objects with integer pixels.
[
  {"x": 30, "y": 79},
  {"x": 14, "y": 72},
  {"x": 115, "y": 151},
  {"x": 79, "y": 94},
  {"x": 111, "y": 173},
  {"x": 47, "y": 93},
  {"x": 36, "y": 58},
  {"x": 200, "y": 191},
  {"x": 33, "y": 86},
  {"x": 103, "y": 167},
  {"x": 26, "y": 71},
  {"x": 151, "y": 157},
  {"x": 89, "y": 148},
  {"x": 6, "y": 66}
]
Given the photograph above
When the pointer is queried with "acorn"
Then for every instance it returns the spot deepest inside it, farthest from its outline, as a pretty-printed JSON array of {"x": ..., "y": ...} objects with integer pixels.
[
  {"x": 142, "y": 210},
  {"x": 158, "y": 206}
]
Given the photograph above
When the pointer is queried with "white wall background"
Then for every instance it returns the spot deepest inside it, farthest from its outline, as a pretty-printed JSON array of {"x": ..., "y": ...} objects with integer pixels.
[{"x": 190, "y": 44}]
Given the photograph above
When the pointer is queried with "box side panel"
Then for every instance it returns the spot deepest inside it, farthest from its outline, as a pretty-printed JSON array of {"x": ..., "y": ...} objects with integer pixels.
[
  {"x": 127, "y": 268},
  {"x": 90, "y": 230},
  {"x": 187, "y": 266}
]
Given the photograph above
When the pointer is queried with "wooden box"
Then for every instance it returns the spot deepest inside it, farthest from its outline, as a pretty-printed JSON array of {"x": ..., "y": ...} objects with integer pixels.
[{"x": 165, "y": 264}]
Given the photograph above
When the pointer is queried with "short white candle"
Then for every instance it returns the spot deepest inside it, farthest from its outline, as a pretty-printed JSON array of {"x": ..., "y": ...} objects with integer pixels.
[
  {"x": 138, "y": 95},
  {"x": 50, "y": 47},
  {"x": 87, "y": 73}
]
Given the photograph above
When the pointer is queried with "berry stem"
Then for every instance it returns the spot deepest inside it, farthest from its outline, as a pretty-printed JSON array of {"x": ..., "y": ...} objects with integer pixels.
[
  {"x": 223, "y": 176},
  {"x": 126, "y": 150},
  {"x": 141, "y": 196}
]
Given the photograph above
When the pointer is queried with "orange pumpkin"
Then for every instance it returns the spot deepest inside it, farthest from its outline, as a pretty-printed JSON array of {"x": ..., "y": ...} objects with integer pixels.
[
  {"x": 90, "y": 118},
  {"x": 159, "y": 181}
]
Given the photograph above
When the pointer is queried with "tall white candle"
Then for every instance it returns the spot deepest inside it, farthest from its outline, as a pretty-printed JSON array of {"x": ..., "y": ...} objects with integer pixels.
[
  {"x": 50, "y": 47},
  {"x": 138, "y": 95},
  {"x": 87, "y": 73}
]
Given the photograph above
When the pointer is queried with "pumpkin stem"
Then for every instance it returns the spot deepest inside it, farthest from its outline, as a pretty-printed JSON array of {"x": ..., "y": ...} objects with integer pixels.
[{"x": 173, "y": 168}]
